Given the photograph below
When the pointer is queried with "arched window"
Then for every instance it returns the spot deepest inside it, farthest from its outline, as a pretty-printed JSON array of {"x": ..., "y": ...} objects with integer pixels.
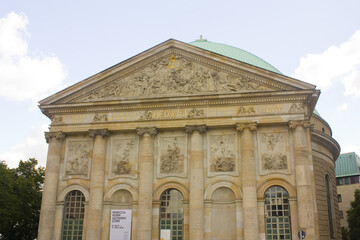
[
  {"x": 172, "y": 214},
  {"x": 277, "y": 213},
  {"x": 73, "y": 217},
  {"x": 329, "y": 205}
]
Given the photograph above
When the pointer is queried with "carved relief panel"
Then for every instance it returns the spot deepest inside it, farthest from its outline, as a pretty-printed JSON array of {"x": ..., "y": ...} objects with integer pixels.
[
  {"x": 78, "y": 158},
  {"x": 222, "y": 153},
  {"x": 274, "y": 151},
  {"x": 172, "y": 155},
  {"x": 123, "y": 156}
]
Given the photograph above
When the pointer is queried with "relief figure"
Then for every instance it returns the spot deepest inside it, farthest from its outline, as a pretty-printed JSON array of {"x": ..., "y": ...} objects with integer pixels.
[
  {"x": 223, "y": 159},
  {"x": 122, "y": 157},
  {"x": 172, "y": 161},
  {"x": 78, "y": 159}
]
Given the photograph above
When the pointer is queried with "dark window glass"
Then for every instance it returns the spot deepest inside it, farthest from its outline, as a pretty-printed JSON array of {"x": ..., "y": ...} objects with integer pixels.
[
  {"x": 277, "y": 213},
  {"x": 73, "y": 216},
  {"x": 329, "y": 205},
  {"x": 171, "y": 213}
]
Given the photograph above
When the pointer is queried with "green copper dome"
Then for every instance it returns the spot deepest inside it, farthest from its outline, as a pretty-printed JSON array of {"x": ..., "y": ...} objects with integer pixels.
[{"x": 234, "y": 53}]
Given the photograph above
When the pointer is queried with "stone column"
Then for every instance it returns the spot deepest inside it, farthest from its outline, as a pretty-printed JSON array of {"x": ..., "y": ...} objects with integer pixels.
[
  {"x": 94, "y": 220},
  {"x": 248, "y": 173},
  {"x": 48, "y": 201},
  {"x": 303, "y": 178},
  {"x": 196, "y": 204},
  {"x": 146, "y": 176}
]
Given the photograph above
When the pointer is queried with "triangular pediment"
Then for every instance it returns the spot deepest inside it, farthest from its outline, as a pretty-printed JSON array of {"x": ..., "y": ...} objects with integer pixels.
[{"x": 174, "y": 69}]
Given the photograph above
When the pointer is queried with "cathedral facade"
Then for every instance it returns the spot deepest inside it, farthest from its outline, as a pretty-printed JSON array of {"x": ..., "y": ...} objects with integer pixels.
[{"x": 189, "y": 141}]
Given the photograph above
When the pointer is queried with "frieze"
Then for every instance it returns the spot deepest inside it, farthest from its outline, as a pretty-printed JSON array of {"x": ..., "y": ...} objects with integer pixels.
[{"x": 179, "y": 113}]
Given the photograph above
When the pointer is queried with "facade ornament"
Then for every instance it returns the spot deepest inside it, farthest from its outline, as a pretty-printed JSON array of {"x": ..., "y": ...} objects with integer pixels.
[
  {"x": 248, "y": 110},
  {"x": 79, "y": 158},
  {"x": 303, "y": 123},
  {"x": 100, "y": 118},
  {"x": 57, "y": 120},
  {"x": 191, "y": 128},
  {"x": 59, "y": 136},
  {"x": 102, "y": 132},
  {"x": 296, "y": 108},
  {"x": 152, "y": 131},
  {"x": 172, "y": 160},
  {"x": 222, "y": 154},
  {"x": 276, "y": 161},
  {"x": 196, "y": 113},
  {"x": 251, "y": 125},
  {"x": 147, "y": 115}
]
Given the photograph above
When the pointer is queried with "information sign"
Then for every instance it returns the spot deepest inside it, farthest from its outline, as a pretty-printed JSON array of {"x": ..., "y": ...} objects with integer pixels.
[{"x": 120, "y": 225}]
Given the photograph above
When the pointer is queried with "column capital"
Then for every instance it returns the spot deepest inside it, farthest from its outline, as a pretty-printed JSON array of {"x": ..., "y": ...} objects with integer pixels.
[
  {"x": 191, "y": 128},
  {"x": 102, "y": 132},
  {"x": 59, "y": 136},
  {"x": 252, "y": 126},
  {"x": 303, "y": 123},
  {"x": 152, "y": 131}
]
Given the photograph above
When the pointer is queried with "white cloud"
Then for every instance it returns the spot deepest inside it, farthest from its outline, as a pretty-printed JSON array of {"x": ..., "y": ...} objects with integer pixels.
[
  {"x": 342, "y": 108},
  {"x": 33, "y": 146},
  {"x": 335, "y": 63},
  {"x": 23, "y": 74}
]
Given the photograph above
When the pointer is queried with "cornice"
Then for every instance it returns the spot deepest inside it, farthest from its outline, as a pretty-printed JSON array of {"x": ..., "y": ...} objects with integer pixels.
[{"x": 326, "y": 141}]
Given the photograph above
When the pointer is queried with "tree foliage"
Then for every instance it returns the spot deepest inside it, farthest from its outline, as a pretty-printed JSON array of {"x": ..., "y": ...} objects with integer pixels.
[
  {"x": 20, "y": 191},
  {"x": 354, "y": 217}
]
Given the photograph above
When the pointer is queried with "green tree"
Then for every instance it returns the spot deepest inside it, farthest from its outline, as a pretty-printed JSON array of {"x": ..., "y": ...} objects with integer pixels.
[
  {"x": 20, "y": 191},
  {"x": 354, "y": 217}
]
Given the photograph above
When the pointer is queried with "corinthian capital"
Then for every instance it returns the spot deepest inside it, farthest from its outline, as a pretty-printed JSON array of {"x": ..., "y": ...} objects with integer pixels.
[
  {"x": 191, "y": 128},
  {"x": 251, "y": 125},
  {"x": 101, "y": 132},
  {"x": 152, "y": 131},
  {"x": 302, "y": 123},
  {"x": 59, "y": 136}
]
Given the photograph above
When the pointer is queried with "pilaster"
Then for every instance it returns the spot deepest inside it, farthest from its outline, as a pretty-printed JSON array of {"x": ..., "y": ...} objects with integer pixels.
[
  {"x": 95, "y": 210},
  {"x": 48, "y": 201},
  {"x": 145, "y": 207},
  {"x": 248, "y": 166},
  {"x": 303, "y": 178},
  {"x": 196, "y": 203}
]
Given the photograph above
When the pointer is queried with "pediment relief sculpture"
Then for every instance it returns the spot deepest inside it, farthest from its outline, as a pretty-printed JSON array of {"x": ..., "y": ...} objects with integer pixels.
[{"x": 174, "y": 76}]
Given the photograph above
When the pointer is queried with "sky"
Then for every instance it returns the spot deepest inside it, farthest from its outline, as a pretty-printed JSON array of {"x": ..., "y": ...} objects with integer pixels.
[{"x": 46, "y": 46}]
